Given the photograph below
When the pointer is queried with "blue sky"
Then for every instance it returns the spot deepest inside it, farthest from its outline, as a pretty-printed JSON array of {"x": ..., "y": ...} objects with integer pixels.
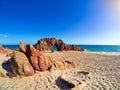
[{"x": 74, "y": 21}]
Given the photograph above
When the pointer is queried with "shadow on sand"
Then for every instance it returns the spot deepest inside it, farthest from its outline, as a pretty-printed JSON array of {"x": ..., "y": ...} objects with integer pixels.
[{"x": 62, "y": 84}]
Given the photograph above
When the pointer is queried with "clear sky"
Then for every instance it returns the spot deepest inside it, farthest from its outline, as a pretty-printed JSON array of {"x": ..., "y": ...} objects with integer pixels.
[{"x": 74, "y": 21}]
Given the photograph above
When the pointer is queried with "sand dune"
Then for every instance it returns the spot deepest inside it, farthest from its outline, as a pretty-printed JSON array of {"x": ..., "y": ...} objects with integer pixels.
[{"x": 95, "y": 71}]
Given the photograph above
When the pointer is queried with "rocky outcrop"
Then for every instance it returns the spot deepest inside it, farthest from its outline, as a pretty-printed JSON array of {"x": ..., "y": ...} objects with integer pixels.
[
  {"x": 4, "y": 50},
  {"x": 22, "y": 47},
  {"x": 46, "y": 45},
  {"x": 43, "y": 63},
  {"x": 38, "y": 60},
  {"x": 28, "y": 58},
  {"x": 20, "y": 65},
  {"x": 61, "y": 64}
]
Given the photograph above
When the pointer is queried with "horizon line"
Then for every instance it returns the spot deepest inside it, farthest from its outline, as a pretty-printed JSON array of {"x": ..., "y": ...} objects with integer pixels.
[{"x": 66, "y": 43}]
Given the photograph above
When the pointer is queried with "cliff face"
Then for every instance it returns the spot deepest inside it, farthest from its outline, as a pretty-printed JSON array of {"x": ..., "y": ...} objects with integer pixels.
[{"x": 46, "y": 45}]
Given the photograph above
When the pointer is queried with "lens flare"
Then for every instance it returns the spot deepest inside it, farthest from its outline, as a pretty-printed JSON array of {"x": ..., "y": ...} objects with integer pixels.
[
  {"x": 116, "y": 5},
  {"x": 115, "y": 8}
]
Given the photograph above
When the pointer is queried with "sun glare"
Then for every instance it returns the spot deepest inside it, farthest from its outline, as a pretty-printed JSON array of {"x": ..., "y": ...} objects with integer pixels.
[{"x": 115, "y": 6}]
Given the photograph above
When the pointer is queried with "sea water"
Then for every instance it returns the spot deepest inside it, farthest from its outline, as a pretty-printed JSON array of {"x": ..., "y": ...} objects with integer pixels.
[
  {"x": 101, "y": 48},
  {"x": 91, "y": 48}
]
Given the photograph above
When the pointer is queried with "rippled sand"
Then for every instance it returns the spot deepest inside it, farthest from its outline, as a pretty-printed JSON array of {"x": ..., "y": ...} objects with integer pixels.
[{"x": 103, "y": 73}]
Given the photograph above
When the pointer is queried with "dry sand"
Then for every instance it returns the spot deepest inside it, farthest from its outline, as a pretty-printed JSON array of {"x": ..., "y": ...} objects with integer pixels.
[{"x": 103, "y": 73}]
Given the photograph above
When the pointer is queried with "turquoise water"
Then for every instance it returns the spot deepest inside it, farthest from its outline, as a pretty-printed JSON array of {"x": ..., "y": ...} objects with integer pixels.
[
  {"x": 92, "y": 48},
  {"x": 101, "y": 48}
]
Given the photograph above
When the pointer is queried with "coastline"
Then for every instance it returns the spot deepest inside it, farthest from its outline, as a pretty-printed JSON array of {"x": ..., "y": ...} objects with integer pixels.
[
  {"x": 112, "y": 49},
  {"x": 93, "y": 52},
  {"x": 104, "y": 53}
]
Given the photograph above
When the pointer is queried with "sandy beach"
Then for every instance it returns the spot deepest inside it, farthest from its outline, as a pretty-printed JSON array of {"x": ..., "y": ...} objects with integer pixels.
[{"x": 95, "y": 71}]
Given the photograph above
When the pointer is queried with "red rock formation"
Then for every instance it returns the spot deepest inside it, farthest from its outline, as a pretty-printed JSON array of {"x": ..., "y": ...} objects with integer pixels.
[
  {"x": 43, "y": 63},
  {"x": 4, "y": 50},
  {"x": 20, "y": 65},
  {"x": 61, "y": 64},
  {"x": 22, "y": 47},
  {"x": 46, "y": 45},
  {"x": 38, "y": 60},
  {"x": 28, "y": 59}
]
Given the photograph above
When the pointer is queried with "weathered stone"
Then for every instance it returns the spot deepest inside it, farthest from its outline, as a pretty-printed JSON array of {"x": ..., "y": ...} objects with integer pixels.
[
  {"x": 38, "y": 60},
  {"x": 61, "y": 64},
  {"x": 4, "y": 50},
  {"x": 46, "y": 45},
  {"x": 71, "y": 82},
  {"x": 28, "y": 59},
  {"x": 20, "y": 64},
  {"x": 2, "y": 75},
  {"x": 11, "y": 75},
  {"x": 43, "y": 63},
  {"x": 22, "y": 47}
]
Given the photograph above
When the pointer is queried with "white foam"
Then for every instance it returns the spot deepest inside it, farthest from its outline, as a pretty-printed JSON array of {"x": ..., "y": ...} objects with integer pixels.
[{"x": 106, "y": 53}]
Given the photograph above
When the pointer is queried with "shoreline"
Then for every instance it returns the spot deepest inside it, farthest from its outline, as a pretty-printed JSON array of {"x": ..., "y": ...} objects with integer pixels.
[
  {"x": 92, "y": 52},
  {"x": 104, "y": 53}
]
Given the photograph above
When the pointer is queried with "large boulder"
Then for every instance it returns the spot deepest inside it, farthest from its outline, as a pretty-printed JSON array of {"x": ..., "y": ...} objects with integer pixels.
[
  {"x": 43, "y": 63},
  {"x": 37, "y": 59},
  {"x": 46, "y": 45},
  {"x": 22, "y": 47},
  {"x": 20, "y": 65}
]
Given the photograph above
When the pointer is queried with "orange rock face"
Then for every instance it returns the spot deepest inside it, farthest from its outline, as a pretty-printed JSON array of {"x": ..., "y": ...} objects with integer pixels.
[
  {"x": 4, "y": 50},
  {"x": 28, "y": 59},
  {"x": 38, "y": 60},
  {"x": 20, "y": 64},
  {"x": 22, "y": 47},
  {"x": 61, "y": 64},
  {"x": 46, "y": 45}
]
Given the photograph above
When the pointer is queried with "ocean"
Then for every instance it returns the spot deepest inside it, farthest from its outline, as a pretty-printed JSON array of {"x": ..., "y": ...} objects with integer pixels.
[{"x": 91, "y": 48}]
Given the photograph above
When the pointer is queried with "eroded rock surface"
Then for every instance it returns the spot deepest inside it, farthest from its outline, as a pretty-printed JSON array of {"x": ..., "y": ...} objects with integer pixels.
[
  {"x": 20, "y": 65},
  {"x": 4, "y": 50},
  {"x": 28, "y": 58},
  {"x": 61, "y": 64},
  {"x": 41, "y": 62},
  {"x": 22, "y": 47},
  {"x": 38, "y": 60},
  {"x": 46, "y": 45}
]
